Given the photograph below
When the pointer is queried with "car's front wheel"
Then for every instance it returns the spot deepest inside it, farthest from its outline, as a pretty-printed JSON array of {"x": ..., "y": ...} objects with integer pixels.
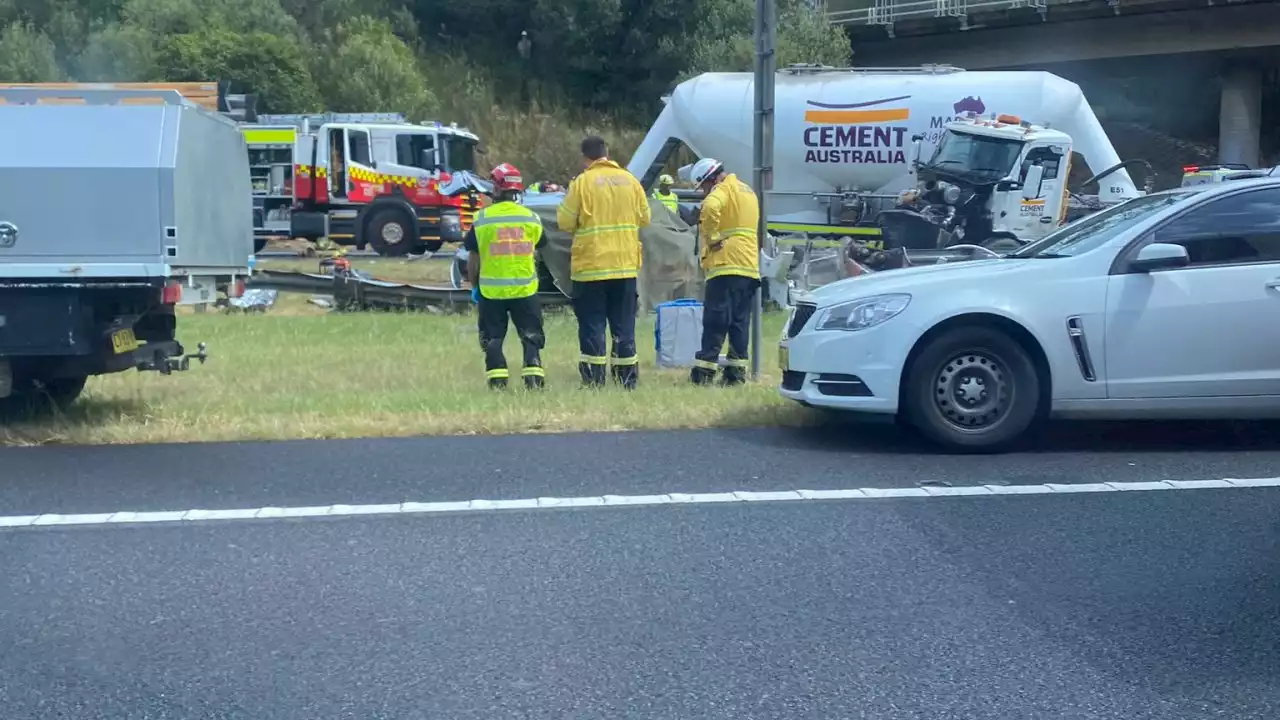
[{"x": 972, "y": 388}]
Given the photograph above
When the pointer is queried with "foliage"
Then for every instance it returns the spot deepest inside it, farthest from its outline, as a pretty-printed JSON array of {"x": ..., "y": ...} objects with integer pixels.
[
  {"x": 388, "y": 79},
  {"x": 596, "y": 65},
  {"x": 27, "y": 55}
]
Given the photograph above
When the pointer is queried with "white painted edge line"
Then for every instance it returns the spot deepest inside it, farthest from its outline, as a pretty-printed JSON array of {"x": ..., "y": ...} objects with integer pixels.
[{"x": 743, "y": 496}]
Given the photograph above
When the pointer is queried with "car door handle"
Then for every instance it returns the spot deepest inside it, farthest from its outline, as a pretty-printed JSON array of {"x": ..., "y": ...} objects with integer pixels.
[{"x": 1273, "y": 285}]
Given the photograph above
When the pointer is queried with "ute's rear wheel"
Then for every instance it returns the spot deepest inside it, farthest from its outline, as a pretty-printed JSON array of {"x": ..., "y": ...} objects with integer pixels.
[
  {"x": 390, "y": 232},
  {"x": 972, "y": 389},
  {"x": 35, "y": 396}
]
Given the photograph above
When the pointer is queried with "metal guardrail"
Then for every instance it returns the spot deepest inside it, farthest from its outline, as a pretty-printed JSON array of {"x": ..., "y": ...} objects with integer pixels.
[{"x": 887, "y": 12}]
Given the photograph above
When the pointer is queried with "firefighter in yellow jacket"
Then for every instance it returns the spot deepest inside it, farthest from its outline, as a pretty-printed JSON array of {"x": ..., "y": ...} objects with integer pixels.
[
  {"x": 604, "y": 208},
  {"x": 730, "y": 258}
]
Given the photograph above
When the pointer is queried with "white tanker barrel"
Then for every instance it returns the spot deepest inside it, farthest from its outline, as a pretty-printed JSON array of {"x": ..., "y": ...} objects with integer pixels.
[{"x": 852, "y": 129}]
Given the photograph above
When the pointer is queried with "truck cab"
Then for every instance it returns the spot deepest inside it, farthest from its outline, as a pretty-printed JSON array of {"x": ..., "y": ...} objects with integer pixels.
[
  {"x": 399, "y": 187},
  {"x": 997, "y": 179}
]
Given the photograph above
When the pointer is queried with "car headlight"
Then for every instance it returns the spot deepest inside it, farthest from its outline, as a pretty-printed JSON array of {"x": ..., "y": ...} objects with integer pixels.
[{"x": 862, "y": 313}]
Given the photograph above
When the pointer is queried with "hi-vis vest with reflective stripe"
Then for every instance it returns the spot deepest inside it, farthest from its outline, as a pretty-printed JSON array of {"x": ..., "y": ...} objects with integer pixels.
[
  {"x": 670, "y": 200},
  {"x": 506, "y": 235},
  {"x": 729, "y": 216}
]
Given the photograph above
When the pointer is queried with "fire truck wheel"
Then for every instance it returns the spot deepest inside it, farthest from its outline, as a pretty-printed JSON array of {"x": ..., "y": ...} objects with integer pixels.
[{"x": 389, "y": 233}]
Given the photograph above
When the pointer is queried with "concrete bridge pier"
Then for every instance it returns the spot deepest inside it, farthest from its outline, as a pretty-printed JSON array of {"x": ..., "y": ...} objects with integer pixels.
[{"x": 1240, "y": 115}]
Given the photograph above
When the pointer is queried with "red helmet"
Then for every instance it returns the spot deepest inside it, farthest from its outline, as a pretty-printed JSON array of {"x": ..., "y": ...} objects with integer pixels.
[{"x": 506, "y": 177}]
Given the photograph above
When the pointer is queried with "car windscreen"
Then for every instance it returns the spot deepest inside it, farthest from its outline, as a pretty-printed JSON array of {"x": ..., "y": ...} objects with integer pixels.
[
  {"x": 461, "y": 153},
  {"x": 1096, "y": 230},
  {"x": 976, "y": 156}
]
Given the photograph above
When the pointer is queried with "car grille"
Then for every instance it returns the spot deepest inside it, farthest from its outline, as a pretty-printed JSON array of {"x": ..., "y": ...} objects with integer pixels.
[{"x": 802, "y": 314}]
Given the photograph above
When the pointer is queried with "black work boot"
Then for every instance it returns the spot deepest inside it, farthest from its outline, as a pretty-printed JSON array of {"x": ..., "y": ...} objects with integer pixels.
[
  {"x": 497, "y": 383},
  {"x": 733, "y": 376},
  {"x": 701, "y": 376},
  {"x": 592, "y": 374},
  {"x": 626, "y": 375},
  {"x": 534, "y": 382}
]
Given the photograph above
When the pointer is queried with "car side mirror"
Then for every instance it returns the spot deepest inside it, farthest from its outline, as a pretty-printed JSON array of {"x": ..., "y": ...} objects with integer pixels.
[
  {"x": 1031, "y": 184},
  {"x": 1160, "y": 256}
]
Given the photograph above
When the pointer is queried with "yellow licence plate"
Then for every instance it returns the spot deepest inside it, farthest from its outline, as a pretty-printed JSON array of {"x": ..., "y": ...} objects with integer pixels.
[
  {"x": 123, "y": 341},
  {"x": 782, "y": 357}
]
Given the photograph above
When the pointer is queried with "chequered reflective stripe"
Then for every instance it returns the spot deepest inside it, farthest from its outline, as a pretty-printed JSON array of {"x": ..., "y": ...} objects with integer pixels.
[
  {"x": 497, "y": 373},
  {"x": 359, "y": 173},
  {"x": 310, "y": 170},
  {"x": 594, "y": 359}
]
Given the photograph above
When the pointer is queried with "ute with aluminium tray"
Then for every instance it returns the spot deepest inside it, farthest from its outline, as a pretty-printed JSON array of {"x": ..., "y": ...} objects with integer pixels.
[{"x": 117, "y": 206}]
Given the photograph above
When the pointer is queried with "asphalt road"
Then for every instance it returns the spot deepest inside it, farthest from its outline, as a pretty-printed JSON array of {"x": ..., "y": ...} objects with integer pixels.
[{"x": 1126, "y": 605}]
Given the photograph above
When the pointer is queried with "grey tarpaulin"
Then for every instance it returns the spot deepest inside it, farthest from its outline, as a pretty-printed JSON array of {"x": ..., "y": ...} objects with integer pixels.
[{"x": 669, "y": 268}]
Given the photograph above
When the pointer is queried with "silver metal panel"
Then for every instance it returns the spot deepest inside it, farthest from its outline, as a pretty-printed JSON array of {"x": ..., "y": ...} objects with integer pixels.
[
  {"x": 98, "y": 188},
  {"x": 212, "y": 192},
  {"x": 80, "y": 182}
]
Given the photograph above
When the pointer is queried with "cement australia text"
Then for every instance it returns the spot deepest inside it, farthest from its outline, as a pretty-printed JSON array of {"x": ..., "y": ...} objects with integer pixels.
[{"x": 855, "y": 144}]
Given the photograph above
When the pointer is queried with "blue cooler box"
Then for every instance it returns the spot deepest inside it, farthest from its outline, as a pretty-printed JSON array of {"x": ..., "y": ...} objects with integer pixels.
[{"x": 677, "y": 333}]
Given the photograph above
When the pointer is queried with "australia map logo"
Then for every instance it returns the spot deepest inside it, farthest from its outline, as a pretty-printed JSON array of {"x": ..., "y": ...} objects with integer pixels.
[{"x": 970, "y": 105}]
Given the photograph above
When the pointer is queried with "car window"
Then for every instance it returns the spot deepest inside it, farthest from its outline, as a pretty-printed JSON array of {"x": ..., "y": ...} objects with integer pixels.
[
  {"x": 1241, "y": 228},
  {"x": 1096, "y": 230}
]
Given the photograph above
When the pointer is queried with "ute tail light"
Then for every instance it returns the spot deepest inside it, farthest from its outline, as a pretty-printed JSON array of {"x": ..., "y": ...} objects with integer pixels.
[
  {"x": 171, "y": 293},
  {"x": 1190, "y": 168},
  {"x": 236, "y": 289}
]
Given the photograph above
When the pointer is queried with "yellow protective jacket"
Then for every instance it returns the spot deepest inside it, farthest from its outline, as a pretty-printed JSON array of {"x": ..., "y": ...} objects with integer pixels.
[
  {"x": 604, "y": 208},
  {"x": 727, "y": 230}
]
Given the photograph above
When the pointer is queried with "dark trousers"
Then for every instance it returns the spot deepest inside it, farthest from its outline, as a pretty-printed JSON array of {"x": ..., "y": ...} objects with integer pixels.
[
  {"x": 526, "y": 315},
  {"x": 612, "y": 304},
  {"x": 725, "y": 312}
]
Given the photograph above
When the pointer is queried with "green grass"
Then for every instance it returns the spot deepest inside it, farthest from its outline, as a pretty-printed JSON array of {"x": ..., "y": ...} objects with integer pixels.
[{"x": 291, "y": 375}]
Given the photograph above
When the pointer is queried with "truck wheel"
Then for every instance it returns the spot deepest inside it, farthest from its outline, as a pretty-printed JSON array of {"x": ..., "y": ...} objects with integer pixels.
[
  {"x": 30, "y": 396},
  {"x": 972, "y": 389},
  {"x": 389, "y": 231},
  {"x": 63, "y": 391}
]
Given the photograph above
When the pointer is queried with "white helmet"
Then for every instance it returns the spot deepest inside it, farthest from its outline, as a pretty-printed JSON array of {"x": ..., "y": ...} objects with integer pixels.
[{"x": 704, "y": 170}]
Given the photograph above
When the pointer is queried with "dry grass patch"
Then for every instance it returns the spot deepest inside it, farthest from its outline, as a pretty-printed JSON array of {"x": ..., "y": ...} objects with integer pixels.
[{"x": 290, "y": 375}]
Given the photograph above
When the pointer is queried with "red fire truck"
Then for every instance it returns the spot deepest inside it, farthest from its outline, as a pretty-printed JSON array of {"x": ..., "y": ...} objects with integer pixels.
[{"x": 376, "y": 180}]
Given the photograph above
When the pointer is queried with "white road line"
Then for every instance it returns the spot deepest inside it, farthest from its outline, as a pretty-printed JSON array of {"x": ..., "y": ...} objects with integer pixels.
[{"x": 126, "y": 517}]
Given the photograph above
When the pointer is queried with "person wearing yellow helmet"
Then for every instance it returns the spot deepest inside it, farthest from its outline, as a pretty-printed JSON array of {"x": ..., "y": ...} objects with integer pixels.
[{"x": 664, "y": 195}]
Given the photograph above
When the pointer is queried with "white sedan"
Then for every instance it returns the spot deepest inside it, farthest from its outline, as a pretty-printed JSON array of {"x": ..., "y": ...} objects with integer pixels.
[{"x": 1165, "y": 306}]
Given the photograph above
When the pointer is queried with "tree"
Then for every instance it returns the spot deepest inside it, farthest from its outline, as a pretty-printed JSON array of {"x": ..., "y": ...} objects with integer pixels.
[
  {"x": 117, "y": 53},
  {"x": 371, "y": 70},
  {"x": 803, "y": 36},
  {"x": 270, "y": 66},
  {"x": 27, "y": 55}
]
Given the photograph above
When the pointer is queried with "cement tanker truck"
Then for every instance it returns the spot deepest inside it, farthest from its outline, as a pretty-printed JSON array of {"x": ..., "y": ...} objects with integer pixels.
[{"x": 847, "y": 142}]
